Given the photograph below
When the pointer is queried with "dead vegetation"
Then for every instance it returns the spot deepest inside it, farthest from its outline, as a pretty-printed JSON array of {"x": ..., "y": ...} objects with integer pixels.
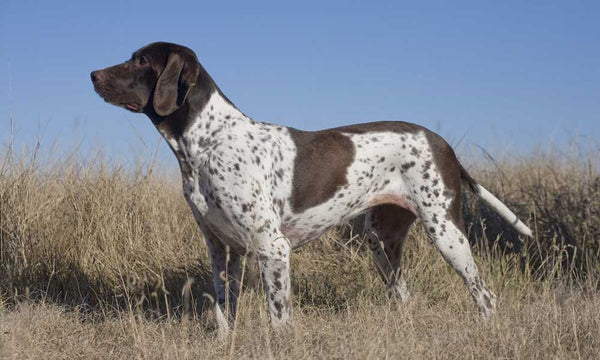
[{"x": 94, "y": 259}]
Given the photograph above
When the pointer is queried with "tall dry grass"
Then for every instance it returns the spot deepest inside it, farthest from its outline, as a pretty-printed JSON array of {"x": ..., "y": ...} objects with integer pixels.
[{"x": 95, "y": 258}]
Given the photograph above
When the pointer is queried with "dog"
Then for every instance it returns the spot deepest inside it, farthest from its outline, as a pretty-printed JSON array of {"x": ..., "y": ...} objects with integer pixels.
[{"x": 265, "y": 189}]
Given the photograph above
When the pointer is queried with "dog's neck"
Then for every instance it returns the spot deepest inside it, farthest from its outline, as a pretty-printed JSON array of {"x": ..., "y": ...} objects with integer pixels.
[
  {"x": 192, "y": 131},
  {"x": 206, "y": 118},
  {"x": 194, "y": 108}
]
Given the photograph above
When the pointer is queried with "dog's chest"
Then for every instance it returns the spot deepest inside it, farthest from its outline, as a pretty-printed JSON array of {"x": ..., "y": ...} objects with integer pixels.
[
  {"x": 208, "y": 214},
  {"x": 237, "y": 174}
]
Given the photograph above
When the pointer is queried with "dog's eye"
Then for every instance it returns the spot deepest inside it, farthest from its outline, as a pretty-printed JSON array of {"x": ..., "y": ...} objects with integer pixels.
[{"x": 142, "y": 60}]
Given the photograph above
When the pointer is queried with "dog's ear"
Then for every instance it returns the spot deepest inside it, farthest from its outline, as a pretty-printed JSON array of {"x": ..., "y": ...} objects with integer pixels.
[{"x": 174, "y": 83}]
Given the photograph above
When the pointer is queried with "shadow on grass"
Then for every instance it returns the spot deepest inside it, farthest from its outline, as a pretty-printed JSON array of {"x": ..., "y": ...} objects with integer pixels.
[
  {"x": 180, "y": 291},
  {"x": 177, "y": 292}
]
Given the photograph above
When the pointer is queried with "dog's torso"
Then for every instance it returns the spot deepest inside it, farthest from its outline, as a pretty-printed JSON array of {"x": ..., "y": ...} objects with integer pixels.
[{"x": 243, "y": 177}]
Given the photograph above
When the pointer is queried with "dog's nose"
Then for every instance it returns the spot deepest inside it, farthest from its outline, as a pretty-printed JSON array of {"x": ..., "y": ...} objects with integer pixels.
[{"x": 96, "y": 75}]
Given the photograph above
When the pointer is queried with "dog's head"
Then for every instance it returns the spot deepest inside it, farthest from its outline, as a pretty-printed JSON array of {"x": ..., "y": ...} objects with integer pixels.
[{"x": 157, "y": 78}]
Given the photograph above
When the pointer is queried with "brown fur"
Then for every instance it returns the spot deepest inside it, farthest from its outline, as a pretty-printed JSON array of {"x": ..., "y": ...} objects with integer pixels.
[{"x": 320, "y": 166}]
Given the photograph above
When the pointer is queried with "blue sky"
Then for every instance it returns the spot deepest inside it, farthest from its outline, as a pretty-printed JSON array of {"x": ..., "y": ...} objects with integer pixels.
[{"x": 506, "y": 75}]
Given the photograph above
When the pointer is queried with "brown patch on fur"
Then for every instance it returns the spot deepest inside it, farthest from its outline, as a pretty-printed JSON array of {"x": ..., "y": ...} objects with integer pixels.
[
  {"x": 391, "y": 222},
  {"x": 320, "y": 167},
  {"x": 450, "y": 170},
  {"x": 381, "y": 126}
]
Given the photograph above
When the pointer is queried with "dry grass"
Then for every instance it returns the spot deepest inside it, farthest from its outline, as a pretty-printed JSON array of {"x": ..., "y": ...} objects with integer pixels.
[{"x": 94, "y": 259}]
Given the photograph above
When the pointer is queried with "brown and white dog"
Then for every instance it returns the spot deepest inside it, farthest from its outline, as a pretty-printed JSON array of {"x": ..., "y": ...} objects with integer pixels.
[{"x": 267, "y": 189}]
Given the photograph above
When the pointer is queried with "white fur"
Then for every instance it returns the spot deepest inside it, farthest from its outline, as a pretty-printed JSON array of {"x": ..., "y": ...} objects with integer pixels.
[{"x": 503, "y": 211}]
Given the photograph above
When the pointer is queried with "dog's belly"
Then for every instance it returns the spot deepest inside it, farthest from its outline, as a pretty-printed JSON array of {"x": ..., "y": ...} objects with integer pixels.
[{"x": 301, "y": 228}]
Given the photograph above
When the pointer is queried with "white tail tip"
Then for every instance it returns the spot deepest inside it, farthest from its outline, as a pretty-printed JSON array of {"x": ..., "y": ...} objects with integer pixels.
[{"x": 503, "y": 211}]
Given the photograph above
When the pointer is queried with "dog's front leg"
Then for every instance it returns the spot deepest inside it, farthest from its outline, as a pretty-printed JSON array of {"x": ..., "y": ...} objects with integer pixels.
[
  {"x": 274, "y": 259},
  {"x": 226, "y": 278}
]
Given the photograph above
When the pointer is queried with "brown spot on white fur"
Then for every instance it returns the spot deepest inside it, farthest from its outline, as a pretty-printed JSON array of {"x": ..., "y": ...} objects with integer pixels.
[{"x": 320, "y": 166}]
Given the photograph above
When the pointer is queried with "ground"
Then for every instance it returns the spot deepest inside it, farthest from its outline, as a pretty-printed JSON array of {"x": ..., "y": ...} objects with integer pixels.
[{"x": 102, "y": 262}]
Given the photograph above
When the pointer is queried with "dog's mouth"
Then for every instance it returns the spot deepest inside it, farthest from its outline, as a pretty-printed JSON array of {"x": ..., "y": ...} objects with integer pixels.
[
  {"x": 110, "y": 98},
  {"x": 133, "y": 107},
  {"x": 126, "y": 105},
  {"x": 129, "y": 106}
]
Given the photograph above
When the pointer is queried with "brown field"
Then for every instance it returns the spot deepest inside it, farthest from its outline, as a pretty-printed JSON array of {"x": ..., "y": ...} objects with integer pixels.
[{"x": 96, "y": 262}]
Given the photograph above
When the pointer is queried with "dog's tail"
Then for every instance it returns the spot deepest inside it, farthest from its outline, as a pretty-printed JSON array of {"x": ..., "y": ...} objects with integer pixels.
[{"x": 494, "y": 203}]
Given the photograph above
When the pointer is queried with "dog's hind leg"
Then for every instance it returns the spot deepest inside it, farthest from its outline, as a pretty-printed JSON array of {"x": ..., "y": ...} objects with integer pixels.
[
  {"x": 446, "y": 230},
  {"x": 386, "y": 227}
]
